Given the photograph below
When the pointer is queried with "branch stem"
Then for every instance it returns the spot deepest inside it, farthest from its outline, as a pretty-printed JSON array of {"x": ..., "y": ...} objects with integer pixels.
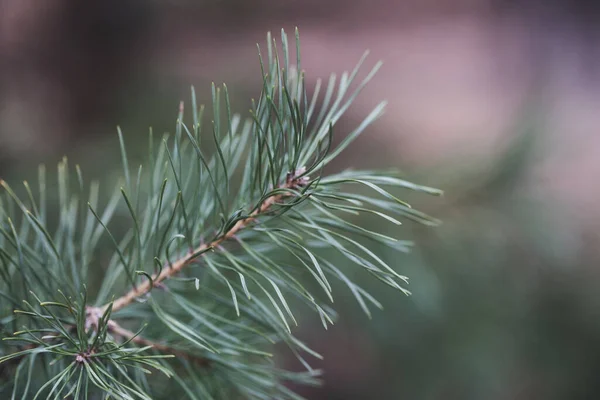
[
  {"x": 126, "y": 334},
  {"x": 292, "y": 182}
]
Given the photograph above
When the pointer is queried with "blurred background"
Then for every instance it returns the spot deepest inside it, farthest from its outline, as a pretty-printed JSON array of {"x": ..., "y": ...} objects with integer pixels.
[{"x": 495, "y": 101}]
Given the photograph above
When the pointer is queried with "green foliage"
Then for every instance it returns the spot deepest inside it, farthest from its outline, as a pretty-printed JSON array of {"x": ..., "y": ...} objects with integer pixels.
[{"x": 225, "y": 245}]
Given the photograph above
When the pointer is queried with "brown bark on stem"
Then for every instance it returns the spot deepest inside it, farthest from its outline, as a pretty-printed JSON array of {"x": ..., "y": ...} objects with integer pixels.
[{"x": 175, "y": 267}]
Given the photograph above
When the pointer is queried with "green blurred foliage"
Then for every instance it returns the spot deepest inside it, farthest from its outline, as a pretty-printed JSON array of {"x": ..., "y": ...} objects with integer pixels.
[{"x": 504, "y": 302}]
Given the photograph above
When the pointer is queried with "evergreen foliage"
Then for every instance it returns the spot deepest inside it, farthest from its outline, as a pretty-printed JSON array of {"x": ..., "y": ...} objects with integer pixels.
[{"x": 222, "y": 252}]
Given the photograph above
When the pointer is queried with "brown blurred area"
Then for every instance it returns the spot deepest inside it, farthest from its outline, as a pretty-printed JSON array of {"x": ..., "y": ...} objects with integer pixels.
[{"x": 461, "y": 77}]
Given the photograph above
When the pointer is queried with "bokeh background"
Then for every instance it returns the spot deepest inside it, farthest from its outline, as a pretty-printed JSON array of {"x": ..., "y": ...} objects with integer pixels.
[{"x": 495, "y": 101}]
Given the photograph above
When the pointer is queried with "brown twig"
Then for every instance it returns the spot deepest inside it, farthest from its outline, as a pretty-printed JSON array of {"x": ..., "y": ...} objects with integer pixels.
[
  {"x": 126, "y": 334},
  {"x": 117, "y": 330},
  {"x": 293, "y": 181}
]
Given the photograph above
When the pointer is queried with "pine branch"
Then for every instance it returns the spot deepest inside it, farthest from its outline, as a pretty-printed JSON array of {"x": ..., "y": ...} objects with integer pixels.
[{"x": 278, "y": 224}]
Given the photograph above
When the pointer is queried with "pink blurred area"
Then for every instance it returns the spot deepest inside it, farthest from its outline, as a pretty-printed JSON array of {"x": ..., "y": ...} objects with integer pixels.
[{"x": 457, "y": 75}]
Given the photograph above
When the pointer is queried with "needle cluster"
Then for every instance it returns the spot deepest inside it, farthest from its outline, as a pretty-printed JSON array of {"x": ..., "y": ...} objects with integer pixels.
[{"x": 232, "y": 227}]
